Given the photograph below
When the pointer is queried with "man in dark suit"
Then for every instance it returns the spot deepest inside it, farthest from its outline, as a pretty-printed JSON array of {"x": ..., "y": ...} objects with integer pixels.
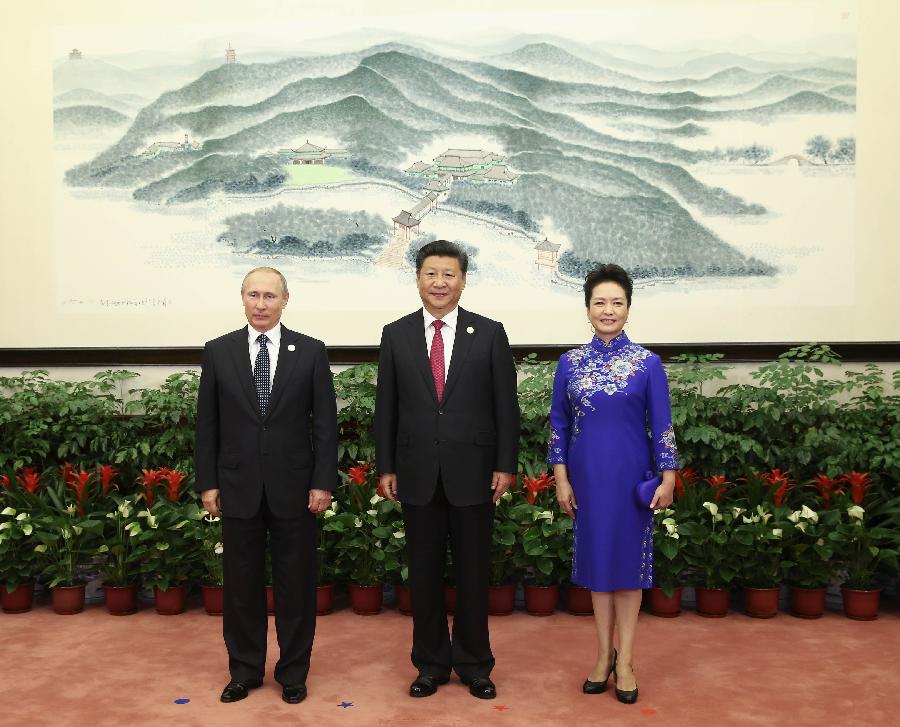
[
  {"x": 266, "y": 461},
  {"x": 446, "y": 438}
]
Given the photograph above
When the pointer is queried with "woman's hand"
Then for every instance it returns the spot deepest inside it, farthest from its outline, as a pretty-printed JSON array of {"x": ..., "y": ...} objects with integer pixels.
[
  {"x": 566, "y": 497},
  {"x": 663, "y": 496}
]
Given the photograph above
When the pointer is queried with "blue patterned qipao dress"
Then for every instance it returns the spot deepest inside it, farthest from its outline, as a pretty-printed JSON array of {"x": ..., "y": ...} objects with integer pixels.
[{"x": 604, "y": 397}]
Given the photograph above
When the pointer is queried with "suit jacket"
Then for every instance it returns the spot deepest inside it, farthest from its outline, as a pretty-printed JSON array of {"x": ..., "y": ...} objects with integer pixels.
[
  {"x": 472, "y": 432},
  {"x": 287, "y": 452}
]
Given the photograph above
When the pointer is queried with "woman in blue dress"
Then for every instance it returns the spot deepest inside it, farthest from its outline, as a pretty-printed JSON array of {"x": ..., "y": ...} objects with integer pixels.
[{"x": 607, "y": 394}]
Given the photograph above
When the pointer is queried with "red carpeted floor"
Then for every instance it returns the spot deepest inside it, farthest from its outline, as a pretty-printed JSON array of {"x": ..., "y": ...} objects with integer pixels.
[{"x": 97, "y": 669}]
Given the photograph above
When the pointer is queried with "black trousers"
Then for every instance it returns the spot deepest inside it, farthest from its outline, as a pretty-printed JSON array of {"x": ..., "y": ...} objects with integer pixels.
[
  {"x": 435, "y": 651},
  {"x": 245, "y": 619}
]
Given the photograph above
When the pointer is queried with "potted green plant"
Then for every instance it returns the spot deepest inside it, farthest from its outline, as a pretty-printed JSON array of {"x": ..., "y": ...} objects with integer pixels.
[
  {"x": 208, "y": 536},
  {"x": 18, "y": 560},
  {"x": 709, "y": 554},
  {"x": 866, "y": 546},
  {"x": 543, "y": 553},
  {"x": 358, "y": 527},
  {"x": 669, "y": 565},
  {"x": 811, "y": 558},
  {"x": 758, "y": 537},
  {"x": 123, "y": 554},
  {"x": 326, "y": 562},
  {"x": 67, "y": 532},
  {"x": 170, "y": 556},
  {"x": 502, "y": 588}
]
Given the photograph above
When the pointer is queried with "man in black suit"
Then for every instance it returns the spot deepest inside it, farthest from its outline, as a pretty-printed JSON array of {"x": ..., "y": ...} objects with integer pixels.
[
  {"x": 446, "y": 438},
  {"x": 266, "y": 461}
]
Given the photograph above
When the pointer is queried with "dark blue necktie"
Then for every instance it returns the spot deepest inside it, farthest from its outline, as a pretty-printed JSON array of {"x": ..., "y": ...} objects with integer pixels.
[{"x": 261, "y": 374}]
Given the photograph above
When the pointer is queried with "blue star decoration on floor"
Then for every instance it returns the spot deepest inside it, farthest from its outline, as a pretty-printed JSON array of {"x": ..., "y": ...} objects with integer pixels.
[
  {"x": 182, "y": 700},
  {"x": 345, "y": 704}
]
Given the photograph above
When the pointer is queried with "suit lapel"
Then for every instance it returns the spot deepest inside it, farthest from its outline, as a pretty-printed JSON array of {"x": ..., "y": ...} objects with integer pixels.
[
  {"x": 462, "y": 344},
  {"x": 415, "y": 334},
  {"x": 240, "y": 355},
  {"x": 287, "y": 359}
]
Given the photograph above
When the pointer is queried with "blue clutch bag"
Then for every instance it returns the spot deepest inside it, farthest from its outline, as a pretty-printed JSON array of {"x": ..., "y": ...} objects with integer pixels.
[{"x": 647, "y": 489}]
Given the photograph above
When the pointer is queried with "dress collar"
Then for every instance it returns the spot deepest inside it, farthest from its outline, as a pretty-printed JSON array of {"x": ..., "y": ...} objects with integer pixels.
[{"x": 615, "y": 344}]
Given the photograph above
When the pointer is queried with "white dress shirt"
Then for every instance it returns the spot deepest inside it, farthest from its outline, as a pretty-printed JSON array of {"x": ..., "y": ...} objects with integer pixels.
[
  {"x": 448, "y": 332},
  {"x": 274, "y": 345}
]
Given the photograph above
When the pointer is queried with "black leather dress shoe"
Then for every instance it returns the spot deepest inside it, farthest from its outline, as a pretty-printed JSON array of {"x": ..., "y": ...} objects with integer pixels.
[
  {"x": 590, "y": 687},
  {"x": 236, "y": 691},
  {"x": 294, "y": 693},
  {"x": 483, "y": 688},
  {"x": 425, "y": 685}
]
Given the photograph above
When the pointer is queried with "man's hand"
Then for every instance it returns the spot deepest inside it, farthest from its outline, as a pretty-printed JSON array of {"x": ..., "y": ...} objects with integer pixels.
[
  {"x": 211, "y": 502},
  {"x": 319, "y": 500},
  {"x": 500, "y": 483},
  {"x": 387, "y": 483}
]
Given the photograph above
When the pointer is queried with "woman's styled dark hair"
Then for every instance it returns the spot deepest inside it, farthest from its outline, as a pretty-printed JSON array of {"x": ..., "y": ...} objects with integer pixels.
[
  {"x": 607, "y": 273},
  {"x": 442, "y": 248}
]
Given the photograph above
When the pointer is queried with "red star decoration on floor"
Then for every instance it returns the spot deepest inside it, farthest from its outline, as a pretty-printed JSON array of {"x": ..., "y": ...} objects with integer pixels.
[{"x": 501, "y": 707}]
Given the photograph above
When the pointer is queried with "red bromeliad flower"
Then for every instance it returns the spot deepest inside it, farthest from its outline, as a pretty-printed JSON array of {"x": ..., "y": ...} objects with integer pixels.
[
  {"x": 359, "y": 474},
  {"x": 719, "y": 483},
  {"x": 107, "y": 472},
  {"x": 29, "y": 480},
  {"x": 4, "y": 481},
  {"x": 685, "y": 477},
  {"x": 780, "y": 482},
  {"x": 79, "y": 481},
  {"x": 535, "y": 485},
  {"x": 66, "y": 471},
  {"x": 174, "y": 478},
  {"x": 148, "y": 479},
  {"x": 826, "y": 487},
  {"x": 859, "y": 482}
]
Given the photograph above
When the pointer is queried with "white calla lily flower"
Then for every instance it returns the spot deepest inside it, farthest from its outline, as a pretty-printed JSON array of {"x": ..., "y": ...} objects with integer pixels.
[
  {"x": 777, "y": 532},
  {"x": 373, "y": 513},
  {"x": 855, "y": 511},
  {"x": 809, "y": 514},
  {"x": 376, "y": 498},
  {"x": 801, "y": 527},
  {"x": 8, "y": 511},
  {"x": 399, "y": 534},
  {"x": 219, "y": 549},
  {"x": 357, "y": 522},
  {"x": 712, "y": 507},
  {"x": 794, "y": 516}
]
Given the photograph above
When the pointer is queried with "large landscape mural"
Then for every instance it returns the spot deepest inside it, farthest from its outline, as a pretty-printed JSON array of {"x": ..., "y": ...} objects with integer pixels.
[{"x": 725, "y": 173}]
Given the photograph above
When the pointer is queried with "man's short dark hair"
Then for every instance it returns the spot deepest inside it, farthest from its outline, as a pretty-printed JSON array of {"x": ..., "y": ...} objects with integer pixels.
[
  {"x": 442, "y": 248},
  {"x": 607, "y": 273}
]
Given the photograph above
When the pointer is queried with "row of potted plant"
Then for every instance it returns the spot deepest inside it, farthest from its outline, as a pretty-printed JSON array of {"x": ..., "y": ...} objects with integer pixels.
[
  {"x": 756, "y": 532},
  {"x": 766, "y": 531}
]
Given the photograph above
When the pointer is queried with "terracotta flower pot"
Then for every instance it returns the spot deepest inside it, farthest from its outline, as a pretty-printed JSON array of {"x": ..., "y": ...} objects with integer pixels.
[
  {"x": 761, "y": 602},
  {"x": 213, "y": 599},
  {"x": 861, "y": 605},
  {"x": 270, "y": 600},
  {"x": 450, "y": 598},
  {"x": 807, "y": 602},
  {"x": 713, "y": 602},
  {"x": 170, "y": 601},
  {"x": 541, "y": 600},
  {"x": 67, "y": 599},
  {"x": 578, "y": 600},
  {"x": 404, "y": 600},
  {"x": 501, "y": 599},
  {"x": 19, "y": 600},
  {"x": 324, "y": 599},
  {"x": 120, "y": 600},
  {"x": 366, "y": 600},
  {"x": 663, "y": 605}
]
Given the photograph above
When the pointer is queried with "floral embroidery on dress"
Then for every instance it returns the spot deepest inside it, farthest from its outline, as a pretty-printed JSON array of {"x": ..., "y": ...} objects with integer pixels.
[
  {"x": 647, "y": 555},
  {"x": 601, "y": 367},
  {"x": 556, "y": 455},
  {"x": 667, "y": 459}
]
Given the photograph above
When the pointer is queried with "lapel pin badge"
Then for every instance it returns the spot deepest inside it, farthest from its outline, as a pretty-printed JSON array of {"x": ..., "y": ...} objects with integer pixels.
[
  {"x": 470, "y": 330},
  {"x": 292, "y": 347}
]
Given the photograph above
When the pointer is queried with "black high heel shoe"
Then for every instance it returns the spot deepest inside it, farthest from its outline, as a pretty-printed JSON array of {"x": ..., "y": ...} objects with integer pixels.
[
  {"x": 623, "y": 696},
  {"x": 590, "y": 687}
]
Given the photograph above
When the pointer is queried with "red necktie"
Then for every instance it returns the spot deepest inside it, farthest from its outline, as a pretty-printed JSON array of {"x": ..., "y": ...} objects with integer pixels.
[{"x": 437, "y": 359}]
